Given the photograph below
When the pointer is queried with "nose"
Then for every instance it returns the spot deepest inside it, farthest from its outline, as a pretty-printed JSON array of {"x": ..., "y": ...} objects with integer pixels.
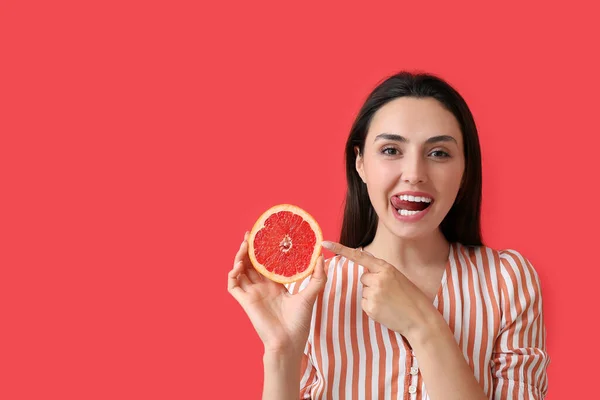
[{"x": 414, "y": 170}]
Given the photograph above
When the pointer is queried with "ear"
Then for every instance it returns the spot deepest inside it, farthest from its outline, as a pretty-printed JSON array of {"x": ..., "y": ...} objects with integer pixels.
[{"x": 359, "y": 164}]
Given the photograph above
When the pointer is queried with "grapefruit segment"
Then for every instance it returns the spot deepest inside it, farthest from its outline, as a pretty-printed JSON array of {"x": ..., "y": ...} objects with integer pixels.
[{"x": 285, "y": 243}]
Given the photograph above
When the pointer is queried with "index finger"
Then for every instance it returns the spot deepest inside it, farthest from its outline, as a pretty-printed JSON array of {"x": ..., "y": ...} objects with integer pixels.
[{"x": 372, "y": 263}]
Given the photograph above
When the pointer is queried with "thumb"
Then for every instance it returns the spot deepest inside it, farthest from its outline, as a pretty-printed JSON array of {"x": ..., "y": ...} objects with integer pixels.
[{"x": 317, "y": 281}]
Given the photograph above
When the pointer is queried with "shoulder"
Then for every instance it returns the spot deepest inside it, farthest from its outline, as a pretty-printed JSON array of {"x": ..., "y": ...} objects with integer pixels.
[
  {"x": 503, "y": 261},
  {"x": 517, "y": 269},
  {"x": 511, "y": 274},
  {"x": 520, "y": 286},
  {"x": 508, "y": 272}
]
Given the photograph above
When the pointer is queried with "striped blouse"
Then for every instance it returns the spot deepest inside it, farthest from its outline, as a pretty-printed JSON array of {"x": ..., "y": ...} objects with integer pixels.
[{"x": 490, "y": 299}]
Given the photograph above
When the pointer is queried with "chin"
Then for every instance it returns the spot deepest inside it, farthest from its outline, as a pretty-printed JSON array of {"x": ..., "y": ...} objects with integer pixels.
[{"x": 411, "y": 233}]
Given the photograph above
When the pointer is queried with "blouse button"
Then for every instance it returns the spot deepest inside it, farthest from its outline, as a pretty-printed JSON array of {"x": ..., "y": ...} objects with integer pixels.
[
  {"x": 412, "y": 389},
  {"x": 414, "y": 370}
]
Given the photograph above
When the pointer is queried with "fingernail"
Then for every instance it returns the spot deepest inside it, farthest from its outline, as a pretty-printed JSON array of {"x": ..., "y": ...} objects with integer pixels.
[{"x": 327, "y": 245}]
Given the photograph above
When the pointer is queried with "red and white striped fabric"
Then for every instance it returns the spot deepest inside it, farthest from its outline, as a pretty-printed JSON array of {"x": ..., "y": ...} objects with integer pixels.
[{"x": 490, "y": 299}]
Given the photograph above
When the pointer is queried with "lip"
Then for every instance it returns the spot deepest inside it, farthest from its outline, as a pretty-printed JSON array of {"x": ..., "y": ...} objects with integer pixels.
[
  {"x": 418, "y": 216},
  {"x": 410, "y": 218}
]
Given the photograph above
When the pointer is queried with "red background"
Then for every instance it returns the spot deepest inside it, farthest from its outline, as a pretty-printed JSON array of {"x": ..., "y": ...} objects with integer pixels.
[{"x": 139, "y": 140}]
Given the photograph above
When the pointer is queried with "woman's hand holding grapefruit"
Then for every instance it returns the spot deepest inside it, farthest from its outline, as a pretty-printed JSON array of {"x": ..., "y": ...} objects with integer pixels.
[{"x": 281, "y": 320}]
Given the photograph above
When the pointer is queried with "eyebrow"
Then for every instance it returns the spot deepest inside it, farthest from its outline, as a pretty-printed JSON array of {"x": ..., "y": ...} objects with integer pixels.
[{"x": 398, "y": 138}]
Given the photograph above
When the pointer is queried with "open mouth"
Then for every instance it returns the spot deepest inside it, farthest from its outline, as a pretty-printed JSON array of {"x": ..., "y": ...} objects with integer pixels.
[{"x": 407, "y": 205}]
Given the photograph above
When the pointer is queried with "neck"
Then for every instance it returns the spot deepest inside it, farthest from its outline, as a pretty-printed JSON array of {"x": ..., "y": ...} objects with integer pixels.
[{"x": 409, "y": 254}]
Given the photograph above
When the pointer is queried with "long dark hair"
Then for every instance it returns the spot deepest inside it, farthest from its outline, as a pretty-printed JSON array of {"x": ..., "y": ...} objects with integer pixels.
[{"x": 462, "y": 223}]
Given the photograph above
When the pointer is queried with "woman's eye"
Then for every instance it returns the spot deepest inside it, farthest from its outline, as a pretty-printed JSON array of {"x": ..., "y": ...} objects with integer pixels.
[
  {"x": 440, "y": 154},
  {"x": 390, "y": 151}
]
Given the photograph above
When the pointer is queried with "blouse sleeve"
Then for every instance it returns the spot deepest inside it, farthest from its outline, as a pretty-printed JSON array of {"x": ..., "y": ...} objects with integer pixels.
[
  {"x": 519, "y": 359},
  {"x": 308, "y": 374}
]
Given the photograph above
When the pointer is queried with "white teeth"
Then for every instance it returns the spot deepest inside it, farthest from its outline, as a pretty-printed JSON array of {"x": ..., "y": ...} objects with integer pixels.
[
  {"x": 415, "y": 199},
  {"x": 407, "y": 212}
]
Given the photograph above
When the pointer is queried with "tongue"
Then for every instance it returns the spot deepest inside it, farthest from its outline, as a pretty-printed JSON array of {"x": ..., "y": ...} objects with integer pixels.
[{"x": 408, "y": 205}]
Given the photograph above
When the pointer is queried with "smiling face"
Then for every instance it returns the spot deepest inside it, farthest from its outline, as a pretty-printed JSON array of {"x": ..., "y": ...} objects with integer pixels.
[{"x": 412, "y": 164}]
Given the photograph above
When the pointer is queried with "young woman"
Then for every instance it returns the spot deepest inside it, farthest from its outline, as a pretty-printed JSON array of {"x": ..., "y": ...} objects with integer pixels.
[{"x": 413, "y": 305}]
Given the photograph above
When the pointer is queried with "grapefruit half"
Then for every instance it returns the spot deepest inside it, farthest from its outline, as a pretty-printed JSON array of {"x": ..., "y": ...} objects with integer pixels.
[{"x": 285, "y": 243}]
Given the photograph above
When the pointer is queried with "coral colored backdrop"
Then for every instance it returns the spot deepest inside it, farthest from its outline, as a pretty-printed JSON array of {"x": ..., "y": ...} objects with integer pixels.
[{"x": 140, "y": 139}]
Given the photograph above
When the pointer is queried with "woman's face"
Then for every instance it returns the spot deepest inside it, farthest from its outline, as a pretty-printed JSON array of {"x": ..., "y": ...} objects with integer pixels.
[{"x": 412, "y": 164}]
